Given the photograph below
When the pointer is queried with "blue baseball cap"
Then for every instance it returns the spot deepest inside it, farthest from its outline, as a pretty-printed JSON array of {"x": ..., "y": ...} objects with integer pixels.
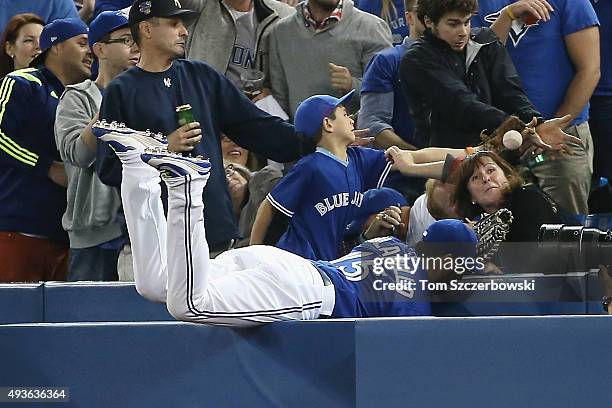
[
  {"x": 374, "y": 200},
  {"x": 57, "y": 32},
  {"x": 105, "y": 23},
  {"x": 458, "y": 238},
  {"x": 311, "y": 112}
]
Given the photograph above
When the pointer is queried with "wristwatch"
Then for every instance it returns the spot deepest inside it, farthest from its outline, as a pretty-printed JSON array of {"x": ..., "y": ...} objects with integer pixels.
[{"x": 605, "y": 302}]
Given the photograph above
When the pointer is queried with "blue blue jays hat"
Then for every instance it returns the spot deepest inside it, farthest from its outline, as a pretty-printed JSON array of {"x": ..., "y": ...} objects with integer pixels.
[
  {"x": 105, "y": 23},
  {"x": 56, "y": 32},
  {"x": 311, "y": 112},
  {"x": 374, "y": 200},
  {"x": 457, "y": 237}
]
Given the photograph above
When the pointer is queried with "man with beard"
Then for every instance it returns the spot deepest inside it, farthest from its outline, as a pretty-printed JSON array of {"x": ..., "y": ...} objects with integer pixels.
[
  {"x": 330, "y": 42},
  {"x": 91, "y": 217},
  {"x": 33, "y": 244},
  {"x": 147, "y": 97}
]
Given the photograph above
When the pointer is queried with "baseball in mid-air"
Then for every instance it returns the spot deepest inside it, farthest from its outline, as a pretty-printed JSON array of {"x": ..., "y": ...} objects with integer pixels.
[{"x": 512, "y": 139}]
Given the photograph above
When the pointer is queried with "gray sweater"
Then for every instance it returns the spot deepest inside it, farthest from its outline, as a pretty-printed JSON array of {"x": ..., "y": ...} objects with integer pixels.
[
  {"x": 212, "y": 34},
  {"x": 299, "y": 56},
  {"x": 91, "y": 213}
]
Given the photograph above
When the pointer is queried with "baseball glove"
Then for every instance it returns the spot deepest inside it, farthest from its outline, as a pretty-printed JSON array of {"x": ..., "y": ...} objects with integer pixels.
[
  {"x": 494, "y": 141},
  {"x": 491, "y": 230}
]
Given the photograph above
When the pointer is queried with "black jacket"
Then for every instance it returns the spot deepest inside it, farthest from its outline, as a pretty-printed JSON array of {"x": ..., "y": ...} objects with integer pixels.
[{"x": 453, "y": 96}]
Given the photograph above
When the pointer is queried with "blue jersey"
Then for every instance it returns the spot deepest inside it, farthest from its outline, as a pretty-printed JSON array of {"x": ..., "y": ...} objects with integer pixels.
[
  {"x": 320, "y": 194},
  {"x": 382, "y": 76},
  {"x": 396, "y": 18},
  {"x": 603, "y": 8},
  {"x": 361, "y": 281},
  {"x": 539, "y": 53}
]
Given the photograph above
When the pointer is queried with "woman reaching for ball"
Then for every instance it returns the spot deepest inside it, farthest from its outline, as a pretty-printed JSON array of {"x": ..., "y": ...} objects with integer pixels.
[{"x": 486, "y": 183}]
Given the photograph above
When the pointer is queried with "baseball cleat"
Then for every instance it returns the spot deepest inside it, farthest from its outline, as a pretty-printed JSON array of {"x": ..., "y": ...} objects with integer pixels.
[
  {"x": 123, "y": 139},
  {"x": 172, "y": 165}
]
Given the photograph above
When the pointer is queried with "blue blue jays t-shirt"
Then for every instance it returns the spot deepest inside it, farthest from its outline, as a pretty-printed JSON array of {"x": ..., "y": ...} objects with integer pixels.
[
  {"x": 539, "y": 53},
  {"x": 363, "y": 284},
  {"x": 382, "y": 76},
  {"x": 396, "y": 19},
  {"x": 320, "y": 194},
  {"x": 603, "y": 8}
]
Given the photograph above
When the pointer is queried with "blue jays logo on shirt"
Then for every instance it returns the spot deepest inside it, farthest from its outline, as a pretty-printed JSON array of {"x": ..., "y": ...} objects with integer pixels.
[
  {"x": 337, "y": 201},
  {"x": 518, "y": 29}
]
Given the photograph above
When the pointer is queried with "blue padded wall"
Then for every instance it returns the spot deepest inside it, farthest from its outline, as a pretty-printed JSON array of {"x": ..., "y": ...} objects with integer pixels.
[
  {"x": 21, "y": 303},
  {"x": 163, "y": 364},
  {"x": 484, "y": 362},
  {"x": 396, "y": 362},
  {"x": 99, "y": 302}
]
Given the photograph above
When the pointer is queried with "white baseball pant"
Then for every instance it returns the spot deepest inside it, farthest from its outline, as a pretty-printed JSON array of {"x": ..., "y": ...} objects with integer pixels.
[{"x": 242, "y": 287}]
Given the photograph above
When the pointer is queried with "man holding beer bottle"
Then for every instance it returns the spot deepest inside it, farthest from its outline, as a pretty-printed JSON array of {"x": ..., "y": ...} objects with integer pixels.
[{"x": 154, "y": 95}]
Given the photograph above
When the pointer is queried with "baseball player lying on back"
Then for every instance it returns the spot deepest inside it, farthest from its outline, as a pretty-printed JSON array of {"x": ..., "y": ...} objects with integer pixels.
[
  {"x": 256, "y": 284},
  {"x": 322, "y": 192}
]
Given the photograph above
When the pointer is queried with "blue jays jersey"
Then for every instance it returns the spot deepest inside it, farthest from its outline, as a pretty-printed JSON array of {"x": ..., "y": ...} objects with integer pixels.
[
  {"x": 321, "y": 194},
  {"x": 378, "y": 278},
  {"x": 536, "y": 48}
]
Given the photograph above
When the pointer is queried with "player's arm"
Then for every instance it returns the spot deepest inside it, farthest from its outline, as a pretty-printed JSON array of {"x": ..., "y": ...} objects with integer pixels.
[
  {"x": 264, "y": 217},
  {"x": 15, "y": 102},
  {"x": 583, "y": 49}
]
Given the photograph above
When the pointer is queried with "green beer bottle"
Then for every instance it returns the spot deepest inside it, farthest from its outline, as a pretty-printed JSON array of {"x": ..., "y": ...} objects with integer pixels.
[{"x": 184, "y": 114}]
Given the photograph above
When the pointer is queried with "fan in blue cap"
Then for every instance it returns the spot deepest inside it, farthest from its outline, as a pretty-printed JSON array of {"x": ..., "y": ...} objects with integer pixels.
[
  {"x": 324, "y": 190},
  {"x": 57, "y": 32}
]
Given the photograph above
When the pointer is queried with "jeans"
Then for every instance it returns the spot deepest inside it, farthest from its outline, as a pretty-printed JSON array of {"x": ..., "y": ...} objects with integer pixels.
[{"x": 93, "y": 264}]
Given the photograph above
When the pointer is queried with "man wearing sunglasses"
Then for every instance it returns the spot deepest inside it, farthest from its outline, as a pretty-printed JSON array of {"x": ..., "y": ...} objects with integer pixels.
[{"x": 91, "y": 215}]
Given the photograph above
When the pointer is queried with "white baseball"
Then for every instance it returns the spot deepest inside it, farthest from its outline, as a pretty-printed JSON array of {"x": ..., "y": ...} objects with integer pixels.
[{"x": 512, "y": 139}]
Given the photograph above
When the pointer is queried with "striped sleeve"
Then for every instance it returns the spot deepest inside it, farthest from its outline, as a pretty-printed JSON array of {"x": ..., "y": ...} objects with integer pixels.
[
  {"x": 288, "y": 193},
  {"x": 14, "y": 111},
  {"x": 375, "y": 169}
]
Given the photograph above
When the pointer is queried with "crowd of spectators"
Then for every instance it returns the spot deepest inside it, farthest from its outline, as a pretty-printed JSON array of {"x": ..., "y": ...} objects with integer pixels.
[{"x": 422, "y": 74}]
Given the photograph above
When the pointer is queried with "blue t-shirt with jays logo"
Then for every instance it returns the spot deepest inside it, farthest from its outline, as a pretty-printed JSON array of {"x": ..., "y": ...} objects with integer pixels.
[
  {"x": 539, "y": 52},
  {"x": 396, "y": 18},
  {"x": 362, "y": 281},
  {"x": 321, "y": 194}
]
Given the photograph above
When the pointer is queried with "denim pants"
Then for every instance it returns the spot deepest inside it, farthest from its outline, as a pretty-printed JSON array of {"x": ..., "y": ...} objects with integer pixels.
[{"x": 93, "y": 264}]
